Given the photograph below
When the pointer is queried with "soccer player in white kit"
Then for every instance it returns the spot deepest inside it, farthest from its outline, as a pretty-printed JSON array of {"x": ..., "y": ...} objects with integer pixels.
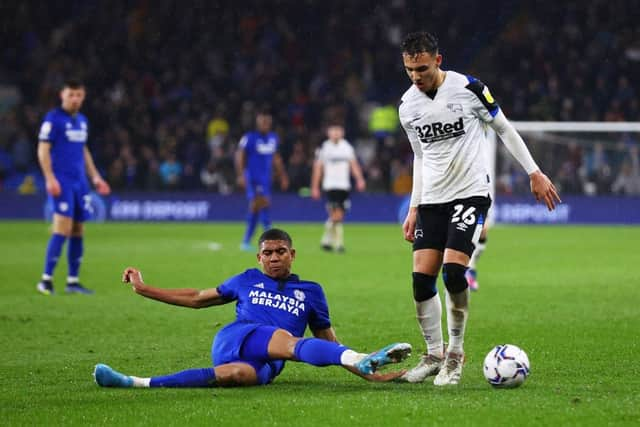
[
  {"x": 335, "y": 162},
  {"x": 444, "y": 114}
]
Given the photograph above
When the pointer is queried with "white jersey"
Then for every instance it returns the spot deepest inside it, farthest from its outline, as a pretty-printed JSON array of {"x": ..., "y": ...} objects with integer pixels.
[
  {"x": 336, "y": 163},
  {"x": 447, "y": 134}
]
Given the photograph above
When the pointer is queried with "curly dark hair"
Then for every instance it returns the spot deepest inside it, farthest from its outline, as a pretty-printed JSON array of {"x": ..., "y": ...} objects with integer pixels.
[{"x": 420, "y": 42}]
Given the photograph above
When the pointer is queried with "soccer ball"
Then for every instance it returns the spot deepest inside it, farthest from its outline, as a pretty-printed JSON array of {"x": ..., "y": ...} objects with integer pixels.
[{"x": 506, "y": 366}]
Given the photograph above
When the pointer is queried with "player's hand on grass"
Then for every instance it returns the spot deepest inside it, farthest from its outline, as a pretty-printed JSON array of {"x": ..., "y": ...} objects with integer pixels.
[
  {"x": 544, "y": 190},
  {"x": 378, "y": 377},
  {"x": 53, "y": 187},
  {"x": 133, "y": 276},
  {"x": 384, "y": 377}
]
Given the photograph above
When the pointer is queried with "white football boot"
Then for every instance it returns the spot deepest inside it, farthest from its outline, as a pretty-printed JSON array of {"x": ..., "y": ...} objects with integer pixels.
[
  {"x": 451, "y": 371},
  {"x": 429, "y": 365}
]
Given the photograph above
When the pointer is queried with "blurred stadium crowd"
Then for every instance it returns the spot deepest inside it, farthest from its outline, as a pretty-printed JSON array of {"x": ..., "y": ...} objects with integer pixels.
[{"x": 173, "y": 86}]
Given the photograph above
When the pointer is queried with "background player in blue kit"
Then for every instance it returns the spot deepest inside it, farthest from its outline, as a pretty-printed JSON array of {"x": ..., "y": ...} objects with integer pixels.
[
  {"x": 256, "y": 156},
  {"x": 65, "y": 161},
  {"x": 273, "y": 309}
]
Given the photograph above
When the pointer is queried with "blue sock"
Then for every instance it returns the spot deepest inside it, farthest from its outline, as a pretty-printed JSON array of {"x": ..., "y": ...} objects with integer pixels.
[
  {"x": 54, "y": 249},
  {"x": 252, "y": 221},
  {"x": 205, "y": 377},
  {"x": 318, "y": 352},
  {"x": 74, "y": 255},
  {"x": 265, "y": 218}
]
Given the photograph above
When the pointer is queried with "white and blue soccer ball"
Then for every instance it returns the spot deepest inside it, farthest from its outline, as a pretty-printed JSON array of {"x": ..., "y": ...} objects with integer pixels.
[{"x": 506, "y": 366}]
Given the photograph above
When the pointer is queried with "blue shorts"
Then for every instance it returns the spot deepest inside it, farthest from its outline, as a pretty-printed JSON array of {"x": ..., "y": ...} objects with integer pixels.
[
  {"x": 258, "y": 188},
  {"x": 74, "y": 200},
  {"x": 247, "y": 343}
]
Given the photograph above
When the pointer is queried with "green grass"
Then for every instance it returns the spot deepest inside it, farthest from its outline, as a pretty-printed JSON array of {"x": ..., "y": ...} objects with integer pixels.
[{"x": 568, "y": 295}]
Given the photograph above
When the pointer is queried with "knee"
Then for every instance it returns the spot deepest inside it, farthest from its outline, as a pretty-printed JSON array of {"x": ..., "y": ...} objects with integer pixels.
[
  {"x": 424, "y": 286},
  {"x": 235, "y": 375},
  {"x": 453, "y": 277}
]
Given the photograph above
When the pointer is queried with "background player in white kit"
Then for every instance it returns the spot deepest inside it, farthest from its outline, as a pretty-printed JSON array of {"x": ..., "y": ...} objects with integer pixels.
[
  {"x": 444, "y": 114},
  {"x": 335, "y": 163}
]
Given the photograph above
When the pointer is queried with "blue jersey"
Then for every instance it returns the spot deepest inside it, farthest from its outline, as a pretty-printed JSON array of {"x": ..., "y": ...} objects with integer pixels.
[
  {"x": 67, "y": 135},
  {"x": 259, "y": 150},
  {"x": 290, "y": 304}
]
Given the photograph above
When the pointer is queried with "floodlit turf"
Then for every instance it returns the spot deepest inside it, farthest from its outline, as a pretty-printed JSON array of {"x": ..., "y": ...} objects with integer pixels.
[{"x": 569, "y": 296}]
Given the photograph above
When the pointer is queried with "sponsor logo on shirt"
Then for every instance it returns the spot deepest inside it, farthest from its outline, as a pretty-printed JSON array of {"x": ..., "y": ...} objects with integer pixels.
[
  {"x": 438, "y": 131},
  {"x": 76, "y": 135},
  {"x": 487, "y": 95},
  {"x": 277, "y": 301},
  {"x": 268, "y": 147}
]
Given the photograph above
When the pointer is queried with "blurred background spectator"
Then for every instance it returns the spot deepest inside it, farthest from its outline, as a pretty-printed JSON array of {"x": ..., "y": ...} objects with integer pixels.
[{"x": 172, "y": 88}]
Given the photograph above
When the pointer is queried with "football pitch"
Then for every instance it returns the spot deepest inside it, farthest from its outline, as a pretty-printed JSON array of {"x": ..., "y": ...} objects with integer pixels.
[{"x": 569, "y": 296}]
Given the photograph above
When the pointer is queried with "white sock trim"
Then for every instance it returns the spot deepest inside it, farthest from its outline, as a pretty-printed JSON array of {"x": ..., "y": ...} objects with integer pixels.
[
  {"x": 141, "y": 382},
  {"x": 351, "y": 358}
]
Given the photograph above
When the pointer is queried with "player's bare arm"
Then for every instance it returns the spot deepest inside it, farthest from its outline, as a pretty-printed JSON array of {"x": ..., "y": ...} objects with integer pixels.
[
  {"x": 281, "y": 172},
  {"x": 44, "y": 158},
  {"x": 356, "y": 171},
  {"x": 101, "y": 185},
  {"x": 192, "y": 298},
  {"x": 328, "y": 334},
  {"x": 541, "y": 186},
  {"x": 316, "y": 176},
  {"x": 240, "y": 162}
]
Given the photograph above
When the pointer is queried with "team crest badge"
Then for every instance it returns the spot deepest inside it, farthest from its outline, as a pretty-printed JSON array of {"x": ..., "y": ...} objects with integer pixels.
[
  {"x": 300, "y": 296},
  {"x": 455, "y": 108}
]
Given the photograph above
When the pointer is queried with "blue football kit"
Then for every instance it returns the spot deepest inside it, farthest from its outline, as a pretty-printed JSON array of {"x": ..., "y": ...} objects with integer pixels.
[
  {"x": 259, "y": 150},
  {"x": 68, "y": 135},
  {"x": 263, "y": 305}
]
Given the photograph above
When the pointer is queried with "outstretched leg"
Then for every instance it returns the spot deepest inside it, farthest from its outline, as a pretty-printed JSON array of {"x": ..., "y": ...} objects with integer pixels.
[
  {"x": 320, "y": 352},
  {"x": 230, "y": 374}
]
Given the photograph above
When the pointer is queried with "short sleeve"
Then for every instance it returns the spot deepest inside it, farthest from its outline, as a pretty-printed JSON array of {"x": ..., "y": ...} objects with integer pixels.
[
  {"x": 319, "y": 316},
  {"x": 229, "y": 289},
  {"x": 351, "y": 151},
  {"x": 243, "y": 142},
  {"x": 46, "y": 132}
]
